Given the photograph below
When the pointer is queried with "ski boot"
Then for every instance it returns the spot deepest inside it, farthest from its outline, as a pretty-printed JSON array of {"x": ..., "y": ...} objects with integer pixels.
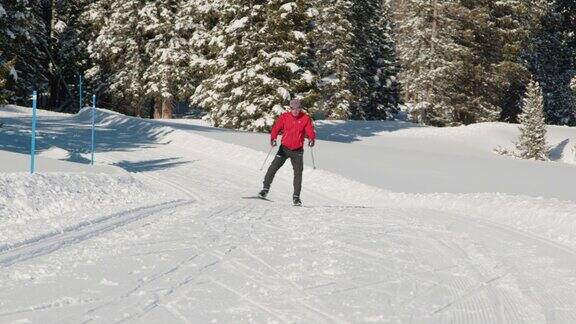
[{"x": 296, "y": 201}]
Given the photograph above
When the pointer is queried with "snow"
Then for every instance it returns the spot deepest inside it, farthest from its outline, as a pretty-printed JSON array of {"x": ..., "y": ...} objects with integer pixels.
[
  {"x": 299, "y": 35},
  {"x": 35, "y": 206},
  {"x": 277, "y": 61},
  {"x": 284, "y": 93},
  {"x": 308, "y": 77},
  {"x": 288, "y": 7},
  {"x": 13, "y": 73},
  {"x": 293, "y": 67},
  {"x": 400, "y": 224},
  {"x": 237, "y": 24},
  {"x": 60, "y": 26}
]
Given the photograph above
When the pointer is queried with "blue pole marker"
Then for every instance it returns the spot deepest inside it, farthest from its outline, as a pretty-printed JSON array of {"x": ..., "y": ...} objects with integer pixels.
[
  {"x": 80, "y": 90},
  {"x": 33, "y": 141},
  {"x": 93, "y": 125}
]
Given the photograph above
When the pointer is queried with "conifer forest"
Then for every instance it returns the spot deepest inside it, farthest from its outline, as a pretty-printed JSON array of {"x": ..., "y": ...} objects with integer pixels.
[{"x": 238, "y": 62}]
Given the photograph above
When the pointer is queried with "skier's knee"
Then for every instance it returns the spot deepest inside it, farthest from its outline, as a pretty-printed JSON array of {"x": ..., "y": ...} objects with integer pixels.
[{"x": 298, "y": 170}]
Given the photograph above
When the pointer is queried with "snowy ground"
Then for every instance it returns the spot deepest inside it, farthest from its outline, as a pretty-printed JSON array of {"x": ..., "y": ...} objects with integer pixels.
[{"x": 401, "y": 224}]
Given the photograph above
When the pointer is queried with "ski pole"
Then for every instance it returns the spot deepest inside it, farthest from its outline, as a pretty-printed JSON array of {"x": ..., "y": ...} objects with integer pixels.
[
  {"x": 267, "y": 156},
  {"x": 313, "y": 162}
]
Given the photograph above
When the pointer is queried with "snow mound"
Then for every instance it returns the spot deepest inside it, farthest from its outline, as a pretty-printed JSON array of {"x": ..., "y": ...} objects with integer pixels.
[
  {"x": 31, "y": 205},
  {"x": 56, "y": 153},
  {"x": 28, "y": 110}
]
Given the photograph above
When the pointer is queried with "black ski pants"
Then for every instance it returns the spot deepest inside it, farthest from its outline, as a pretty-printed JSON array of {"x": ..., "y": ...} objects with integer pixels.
[{"x": 297, "y": 159}]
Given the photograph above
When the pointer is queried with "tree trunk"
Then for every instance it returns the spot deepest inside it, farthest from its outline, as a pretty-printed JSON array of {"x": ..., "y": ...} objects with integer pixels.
[
  {"x": 167, "y": 106},
  {"x": 424, "y": 112},
  {"x": 138, "y": 107},
  {"x": 157, "y": 108}
]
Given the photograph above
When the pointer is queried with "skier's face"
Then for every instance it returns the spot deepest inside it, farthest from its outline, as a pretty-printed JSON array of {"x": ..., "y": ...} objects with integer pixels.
[{"x": 296, "y": 111}]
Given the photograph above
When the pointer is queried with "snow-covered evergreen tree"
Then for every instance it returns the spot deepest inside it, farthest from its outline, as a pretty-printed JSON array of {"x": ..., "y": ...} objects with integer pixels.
[
  {"x": 119, "y": 49},
  {"x": 164, "y": 49},
  {"x": 264, "y": 61},
  {"x": 3, "y": 64},
  {"x": 355, "y": 58},
  {"x": 552, "y": 61},
  {"x": 532, "y": 141},
  {"x": 177, "y": 40},
  {"x": 4, "y": 70},
  {"x": 42, "y": 40},
  {"x": 461, "y": 59},
  {"x": 14, "y": 35},
  {"x": 333, "y": 39},
  {"x": 427, "y": 31},
  {"x": 375, "y": 75},
  {"x": 511, "y": 24},
  {"x": 194, "y": 25}
]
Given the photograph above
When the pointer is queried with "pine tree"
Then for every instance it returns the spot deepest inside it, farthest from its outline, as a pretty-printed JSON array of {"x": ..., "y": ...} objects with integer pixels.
[
  {"x": 264, "y": 61},
  {"x": 70, "y": 51},
  {"x": 163, "y": 48},
  {"x": 427, "y": 32},
  {"x": 552, "y": 60},
  {"x": 335, "y": 57},
  {"x": 44, "y": 43},
  {"x": 4, "y": 70},
  {"x": 512, "y": 24},
  {"x": 14, "y": 29},
  {"x": 195, "y": 21},
  {"x": 532, "y": 141},
  {"x": 175, "y": 28},
  {"x": 3, "y": 74},
  {"x": 462, "y": 59},
  {"x": 119, "y": 52},
  {"x": 355, "y": 59},
  {"x": 375, "y": 79}
]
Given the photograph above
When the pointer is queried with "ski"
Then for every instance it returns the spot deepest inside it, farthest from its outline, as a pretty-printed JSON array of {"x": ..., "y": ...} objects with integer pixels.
[
  {"x": 341, "y": 207},
  {"x": 256, "y": 197}
]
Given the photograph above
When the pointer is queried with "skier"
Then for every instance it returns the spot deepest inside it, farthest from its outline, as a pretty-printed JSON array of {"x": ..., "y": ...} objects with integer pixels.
[{"x": 293, "y": 125}]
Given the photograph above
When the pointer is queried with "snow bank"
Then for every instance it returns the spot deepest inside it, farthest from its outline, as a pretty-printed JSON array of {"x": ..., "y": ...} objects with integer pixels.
[
  {"x": 40, "y": 204},
  {"x": 19, "y": 110},
  {"x": 63, "y": 194},
  {"x": 50, "y": 161},
  {"x": 481, "y": 138}
]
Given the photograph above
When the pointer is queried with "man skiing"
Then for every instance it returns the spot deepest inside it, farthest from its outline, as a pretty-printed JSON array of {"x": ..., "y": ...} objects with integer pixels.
[{"x": 293, "y": 125}]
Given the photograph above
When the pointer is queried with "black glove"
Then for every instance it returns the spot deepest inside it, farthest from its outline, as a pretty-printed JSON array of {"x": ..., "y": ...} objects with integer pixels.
[
  {"x": 311, "y": 143},
  {"x": 273, "y": 142}
]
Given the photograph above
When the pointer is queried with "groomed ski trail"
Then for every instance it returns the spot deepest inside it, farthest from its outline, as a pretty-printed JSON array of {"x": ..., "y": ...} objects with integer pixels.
[{"x": 225, "y": 259}]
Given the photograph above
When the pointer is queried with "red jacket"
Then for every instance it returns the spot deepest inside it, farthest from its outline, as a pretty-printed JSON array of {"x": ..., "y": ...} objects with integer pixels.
[{"x": 293, "y": 129}]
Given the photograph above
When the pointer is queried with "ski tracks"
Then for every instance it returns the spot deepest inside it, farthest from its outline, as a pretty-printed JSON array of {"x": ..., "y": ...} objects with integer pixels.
[
  {"x": 75, "y": 234},
  {"x": 513, "y": 276},
  {"x": 245, "y": 261}
]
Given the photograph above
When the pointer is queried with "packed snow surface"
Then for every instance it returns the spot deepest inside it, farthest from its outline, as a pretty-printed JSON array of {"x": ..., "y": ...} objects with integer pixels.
[{"x": 400, "y": 224}]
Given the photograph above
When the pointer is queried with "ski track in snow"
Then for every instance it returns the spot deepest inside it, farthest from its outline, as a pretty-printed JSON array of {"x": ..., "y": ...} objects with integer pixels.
[
  {"x": 207, "y": 255},
  {"x": 49, "y": 243}
]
